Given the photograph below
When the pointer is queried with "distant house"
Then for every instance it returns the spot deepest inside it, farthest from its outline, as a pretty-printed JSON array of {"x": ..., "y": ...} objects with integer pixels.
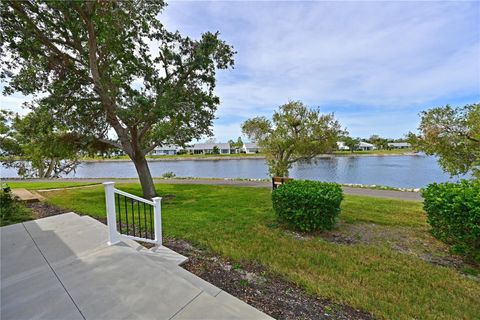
[
  {"x": 208, "y": 148},
  {"x": 168, "y": 149},
  {"x": 365, "y": 146},
  {"x": 399, "y": 145},
  {"x": 250, "y": 147},
  {"x": 341, "y": 146}
]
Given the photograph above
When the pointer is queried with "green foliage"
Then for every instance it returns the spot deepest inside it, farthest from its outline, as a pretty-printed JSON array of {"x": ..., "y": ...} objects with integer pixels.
[
  {"x": 295, "y": 134},
  {"x": 379, "y": 142},
  {"x": 46, "y": 147},
  {"x": 453, "y": 211},
  {"x": 236, "y": 144},
  {"x": 169, "y": 174},
  {"x": 453, "y": 135},
  {"x": 215, "y": 150},
  {"x": 308, "y": 205},
  {"x": 11, "y": 211},
  {"x": 351, "y": 143}
]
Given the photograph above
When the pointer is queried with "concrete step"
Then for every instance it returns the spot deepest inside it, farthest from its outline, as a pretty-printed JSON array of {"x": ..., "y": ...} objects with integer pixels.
[
  {"x": 158, "y": 252},
  {"x": 119, "y": 283},
  {"x": 212, "y": 303},
  {"x": 25, "y": 195},
  {"x": 177, "y": 271},
  {"x": 76, "y": 248},
  {"x": 166, "y": 254},
  {"x": 207, "y": 307}
]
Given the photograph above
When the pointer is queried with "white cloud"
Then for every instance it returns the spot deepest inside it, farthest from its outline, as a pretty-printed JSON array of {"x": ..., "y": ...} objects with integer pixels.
[
  {"x": 381, "y": 56},
  {"x": 14, "y": 103},
  {"x": 376, "y": 64}
]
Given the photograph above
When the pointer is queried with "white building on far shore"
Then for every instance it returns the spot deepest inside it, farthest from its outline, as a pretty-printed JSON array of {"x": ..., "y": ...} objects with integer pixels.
[
  {"x": 250, "y": 147},
  {"x": 341, "y": 146},
  {"x": 362, "y": 146},
  {"x": 399, "y": 145},
  {"x": 208, "y": 148},
  {"x": 164, "y": 150},
  {"x": 365, "y": 146}
]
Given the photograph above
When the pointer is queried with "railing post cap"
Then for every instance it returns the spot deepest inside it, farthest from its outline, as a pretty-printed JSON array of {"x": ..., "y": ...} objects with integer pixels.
[
  {"x": 108, "y": 183},
  {"x": 154, "y": 199}
]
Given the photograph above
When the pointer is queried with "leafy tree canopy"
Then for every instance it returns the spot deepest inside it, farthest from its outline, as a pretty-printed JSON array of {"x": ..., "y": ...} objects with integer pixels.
[
  {"x": 236, "y": 144},
  {"x": 295, "y": 133},
  {"x": 112, "y": 67},
  {"x": 453, "y": 135},
  {"x": 46, "y": 147},
  {"x": 379, "y": 142}
]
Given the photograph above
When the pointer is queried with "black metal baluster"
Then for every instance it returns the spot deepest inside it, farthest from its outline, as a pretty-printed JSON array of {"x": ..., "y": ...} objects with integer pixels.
[
  {"x": 139, "y": 222},
  {"x": 126, "y": 212},
  {"x": 119, "y": 211},
  {"x": 133, "y": 216},
  {"x": 145, "y": 216},
  {"x": 151, "y": 223}
]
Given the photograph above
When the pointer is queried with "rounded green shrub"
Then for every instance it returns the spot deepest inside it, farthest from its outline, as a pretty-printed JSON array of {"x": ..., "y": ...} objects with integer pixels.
[
  {"x": 308, "y": 205},
  {"x": 453, "y": 211}
]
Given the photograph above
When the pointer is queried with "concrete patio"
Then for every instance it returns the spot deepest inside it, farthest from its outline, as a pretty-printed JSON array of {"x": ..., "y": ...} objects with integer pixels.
[{"x": 61, "y": 267}]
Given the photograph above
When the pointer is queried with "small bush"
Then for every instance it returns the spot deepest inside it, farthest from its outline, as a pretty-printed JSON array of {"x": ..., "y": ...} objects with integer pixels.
[
  {"x": 453, "y": 211},
  {"x": 11, "y": 211},
  {"x": 169, "y": 174},
  {"x": 308, "y": 205}
]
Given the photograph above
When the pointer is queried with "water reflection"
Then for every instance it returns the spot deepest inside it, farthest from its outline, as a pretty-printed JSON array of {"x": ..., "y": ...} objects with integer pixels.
[{"x": 397, "y": 171}]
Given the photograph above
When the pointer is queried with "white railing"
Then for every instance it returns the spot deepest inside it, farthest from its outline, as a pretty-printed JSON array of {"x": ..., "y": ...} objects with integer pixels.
[{"x": 113, "y": 209}]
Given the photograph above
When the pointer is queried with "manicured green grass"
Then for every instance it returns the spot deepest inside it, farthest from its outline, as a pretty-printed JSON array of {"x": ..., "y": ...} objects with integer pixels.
[
  {"x": 383, "y": 211},
  {"x": 182, "y": 156},
  {"x": 238, "y": 223},
  {"x": 47, "y": 185}
]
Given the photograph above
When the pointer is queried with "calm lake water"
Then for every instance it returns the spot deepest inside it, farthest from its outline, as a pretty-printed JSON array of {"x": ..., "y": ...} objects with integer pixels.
[{"x": 396, "y": 171}]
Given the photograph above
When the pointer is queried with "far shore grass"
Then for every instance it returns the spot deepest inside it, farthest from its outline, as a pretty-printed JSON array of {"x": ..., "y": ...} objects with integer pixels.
[
  {"x": 384, "y": 276},
  {"x": 249, "y": 156}
]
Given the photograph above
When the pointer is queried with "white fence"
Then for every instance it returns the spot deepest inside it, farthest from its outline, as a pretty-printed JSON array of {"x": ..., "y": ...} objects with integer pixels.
[{"x": 116, "y": 227}]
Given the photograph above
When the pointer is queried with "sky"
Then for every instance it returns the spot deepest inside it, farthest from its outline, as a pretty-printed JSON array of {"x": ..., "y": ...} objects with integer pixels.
[{"x": 375, "y": 65}]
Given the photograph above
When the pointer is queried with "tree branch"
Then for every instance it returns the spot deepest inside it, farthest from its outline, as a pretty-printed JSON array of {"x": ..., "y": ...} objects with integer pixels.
[{"x": 107, "y": 103}]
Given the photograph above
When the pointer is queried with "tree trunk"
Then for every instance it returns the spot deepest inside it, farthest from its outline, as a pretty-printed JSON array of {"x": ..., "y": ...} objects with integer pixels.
[
  {"x": 48, "y": 174},
  {"x": 143, "y": 171}
]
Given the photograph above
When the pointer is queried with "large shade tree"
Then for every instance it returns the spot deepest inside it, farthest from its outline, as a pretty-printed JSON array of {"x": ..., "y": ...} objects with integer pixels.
[
  {"x": 295, "y": 133},
  {"x": 112, "y": 71},
  {"x": 453, "y": 135}
]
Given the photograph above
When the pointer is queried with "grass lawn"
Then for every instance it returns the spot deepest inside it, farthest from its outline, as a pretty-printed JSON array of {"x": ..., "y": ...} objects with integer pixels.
[
  {"x": 238, "y": 223},
  {"x": 47, "y": 185}
]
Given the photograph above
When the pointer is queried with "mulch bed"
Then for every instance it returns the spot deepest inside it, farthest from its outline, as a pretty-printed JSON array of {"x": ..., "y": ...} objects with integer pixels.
[
  {"x": 256, "y": 286},
  {"x": 43, "y": 209}
]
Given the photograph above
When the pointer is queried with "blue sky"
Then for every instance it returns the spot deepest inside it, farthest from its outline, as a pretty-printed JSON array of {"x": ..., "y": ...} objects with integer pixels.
[{"x": 376, "y": 65}]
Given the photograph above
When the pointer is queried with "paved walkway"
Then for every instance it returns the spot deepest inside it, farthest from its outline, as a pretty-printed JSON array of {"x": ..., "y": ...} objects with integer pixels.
[
  {"x": 388, "y": 194},
  {"x": 61, "y": 267}
]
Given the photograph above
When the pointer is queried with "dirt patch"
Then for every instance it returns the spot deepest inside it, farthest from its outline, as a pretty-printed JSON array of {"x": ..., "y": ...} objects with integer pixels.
[
  {"x": 261, "y": 289},
  {"x": 417, "y": 242},
  {"x": 43, "y": 209}
]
